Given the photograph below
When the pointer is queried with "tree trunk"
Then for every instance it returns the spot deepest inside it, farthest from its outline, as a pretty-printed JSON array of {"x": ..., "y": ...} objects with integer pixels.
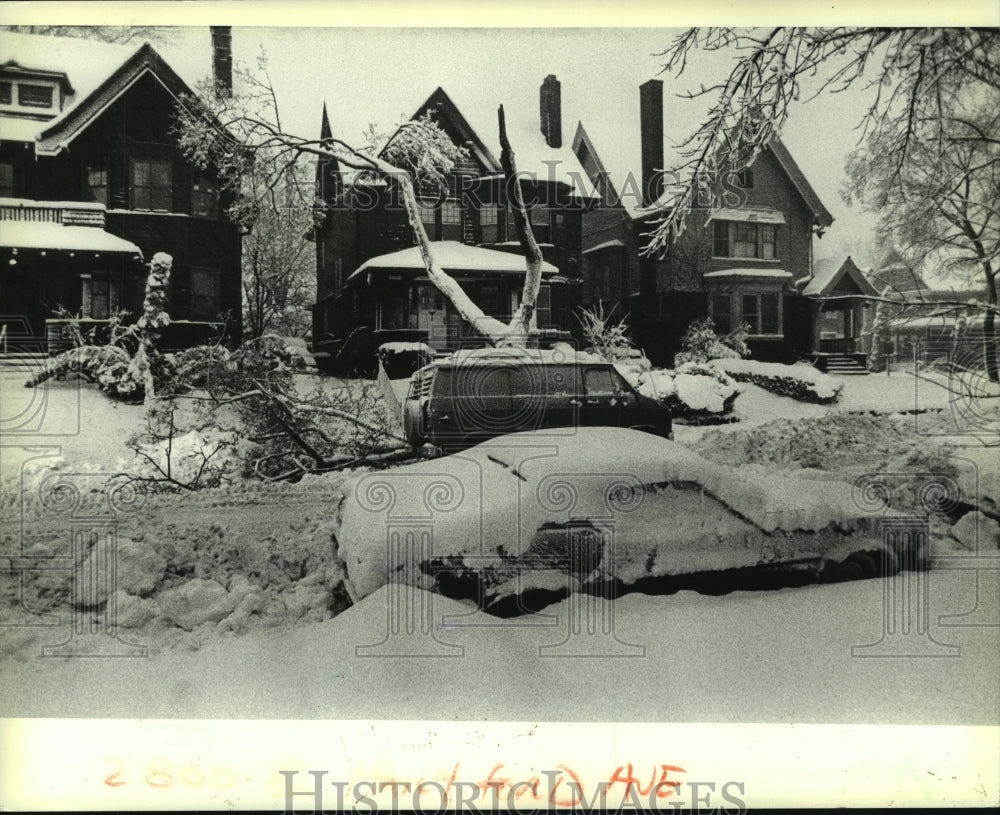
[{"x": 522, "y": 319}]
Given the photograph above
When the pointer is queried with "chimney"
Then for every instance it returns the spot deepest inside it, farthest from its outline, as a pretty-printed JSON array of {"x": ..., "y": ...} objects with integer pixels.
[
  {"x": 651, "y": 132},
  {"x": 550, "y": 110},
  {"x": 222, "y": 58}
]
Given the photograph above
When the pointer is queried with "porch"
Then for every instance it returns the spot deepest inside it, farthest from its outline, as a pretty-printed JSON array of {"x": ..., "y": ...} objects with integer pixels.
[{"x": 389, "y": 298}]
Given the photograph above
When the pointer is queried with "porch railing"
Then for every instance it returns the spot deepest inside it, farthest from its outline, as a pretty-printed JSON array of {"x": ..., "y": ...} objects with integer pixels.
[{"x": 52, "y": 212}]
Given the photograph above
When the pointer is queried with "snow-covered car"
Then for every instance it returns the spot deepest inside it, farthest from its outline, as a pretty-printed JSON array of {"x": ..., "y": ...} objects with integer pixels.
[
  {"x": 604, "y": 507},
  {"x": 472, "y": 396}
]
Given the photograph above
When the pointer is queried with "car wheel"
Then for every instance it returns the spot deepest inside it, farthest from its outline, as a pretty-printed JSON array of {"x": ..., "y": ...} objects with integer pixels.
[
  {"x": 412, "y": 423},
  {"x": 859, "y": 566}
]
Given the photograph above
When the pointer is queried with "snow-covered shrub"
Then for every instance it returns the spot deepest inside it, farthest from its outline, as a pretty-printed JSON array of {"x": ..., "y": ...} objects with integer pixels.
[
  {"x": 691, "y": 390},
  {"x": 700, "y": 343},
  {"x": 608, "y": 339},
  {"x": 801, "y": 382}
]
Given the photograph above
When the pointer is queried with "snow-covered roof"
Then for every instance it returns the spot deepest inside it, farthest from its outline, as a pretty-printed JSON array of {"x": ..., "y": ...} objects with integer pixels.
[
  {"x": 88, "y": 65},
  {"x": 52, "y": 236},
  {"x": 776, "y": 274},
  {"x": 532, "y": 154},
  {"x": 453, "y": 257},
  {"x": 616, "y": 139},
  {"x": 535, "y": 159},
  {"x": 612, "y": 244},
  {"x": 827, "y": 275},
  {"x": 756, "y": 215}
]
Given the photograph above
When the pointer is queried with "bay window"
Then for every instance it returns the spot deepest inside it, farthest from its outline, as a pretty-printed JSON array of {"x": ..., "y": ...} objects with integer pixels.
[{"x": 760, "y": 310}]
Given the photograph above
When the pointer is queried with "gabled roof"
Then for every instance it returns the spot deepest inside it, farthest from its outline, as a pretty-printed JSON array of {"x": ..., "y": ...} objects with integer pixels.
[
  {"x": 620, "y": 153},
  {"x": 895, "y": 276},
  {"x": 441, "y": 105},
  {"x": 534, "y": 157},
  {"x": 57, "y": 134},
  {"x": 96, "y": 74},
  {"x": 821, "y": 215},
  {"x": 827, "y": 278}
]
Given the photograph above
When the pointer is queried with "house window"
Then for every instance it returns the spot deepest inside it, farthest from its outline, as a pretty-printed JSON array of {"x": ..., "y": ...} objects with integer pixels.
[
  {"x": 744, "y": 179},
  {"x": 744, "y": 240},
  {"x": 427, "y": 213},
  {"x": 488, "y": 215},
  {"x": 204, "y": 197},
  {"x": 761, "y": 311},
  {"x": 6, "y": 93},
  {"x": 97, "y": 182},
  {"x": 152, "y": 184},
  {"x": 34, "y": 96},
  {"x": 98, "y": 297},
  {"x": 539, "y": 216},
  {"x": 205, "y": 288},
  {"x": 489, "y": 299},
  {"x": 451, "y": 212},
  {"x": 543, "y": 307},
  {"x": 6, "y": 180},
  {"x": 720, "y": 310},
  {"x": 737, "y": 239}
]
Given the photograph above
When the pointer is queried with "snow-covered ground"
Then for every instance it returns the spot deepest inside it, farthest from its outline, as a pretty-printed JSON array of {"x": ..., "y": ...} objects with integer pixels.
[
  {"x": 745, "y": 657},
  {"x": 246, "y": 621}
]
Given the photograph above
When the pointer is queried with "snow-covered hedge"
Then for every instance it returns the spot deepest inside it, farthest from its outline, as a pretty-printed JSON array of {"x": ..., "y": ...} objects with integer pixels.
[
  {"x": 690, "y": 390},
  {"x": 801, "y": 382}
]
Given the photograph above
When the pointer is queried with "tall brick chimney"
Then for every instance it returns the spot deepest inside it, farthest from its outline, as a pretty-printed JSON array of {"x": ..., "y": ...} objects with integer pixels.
[
  {"x": 550, "y": 110},
  {"x": 222, "y": 58},
  {"x": 651, "y": 133}
]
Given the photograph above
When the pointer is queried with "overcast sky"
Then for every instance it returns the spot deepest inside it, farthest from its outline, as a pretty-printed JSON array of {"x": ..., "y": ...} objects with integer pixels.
[{"x": 380, "y": 75}]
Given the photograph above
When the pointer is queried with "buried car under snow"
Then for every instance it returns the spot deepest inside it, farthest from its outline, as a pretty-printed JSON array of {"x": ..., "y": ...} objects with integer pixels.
[
  {"x": 475, "y": 395},
  {"x": 525, "y": 519}
]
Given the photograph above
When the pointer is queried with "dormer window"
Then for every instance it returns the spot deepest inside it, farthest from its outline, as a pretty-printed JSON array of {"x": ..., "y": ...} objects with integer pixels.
[
  {"x": 34, "y": 96},
  {"x": 30, "y": 95}
]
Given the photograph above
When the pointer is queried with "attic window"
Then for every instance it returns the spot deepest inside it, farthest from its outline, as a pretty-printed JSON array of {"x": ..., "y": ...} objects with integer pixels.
[
  {"x": 34, "y": 96},
  {"x": 744, "y": 179},
  {"x": 6, "y": 93}
]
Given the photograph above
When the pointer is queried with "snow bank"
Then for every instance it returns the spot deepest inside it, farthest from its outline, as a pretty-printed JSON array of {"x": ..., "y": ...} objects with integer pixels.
[{"x": 802, "y": 382}]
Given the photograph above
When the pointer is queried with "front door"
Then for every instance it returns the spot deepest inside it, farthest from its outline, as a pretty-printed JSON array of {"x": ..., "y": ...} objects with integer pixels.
[{"x": 432, "y": 316}]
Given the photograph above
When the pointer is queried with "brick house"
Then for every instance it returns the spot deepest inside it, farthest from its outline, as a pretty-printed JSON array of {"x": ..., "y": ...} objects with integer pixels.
[
  {"x": 371, "y": 283},
  {"x": 92, "y": 182},
  {"x": 737, "y": 264}
]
